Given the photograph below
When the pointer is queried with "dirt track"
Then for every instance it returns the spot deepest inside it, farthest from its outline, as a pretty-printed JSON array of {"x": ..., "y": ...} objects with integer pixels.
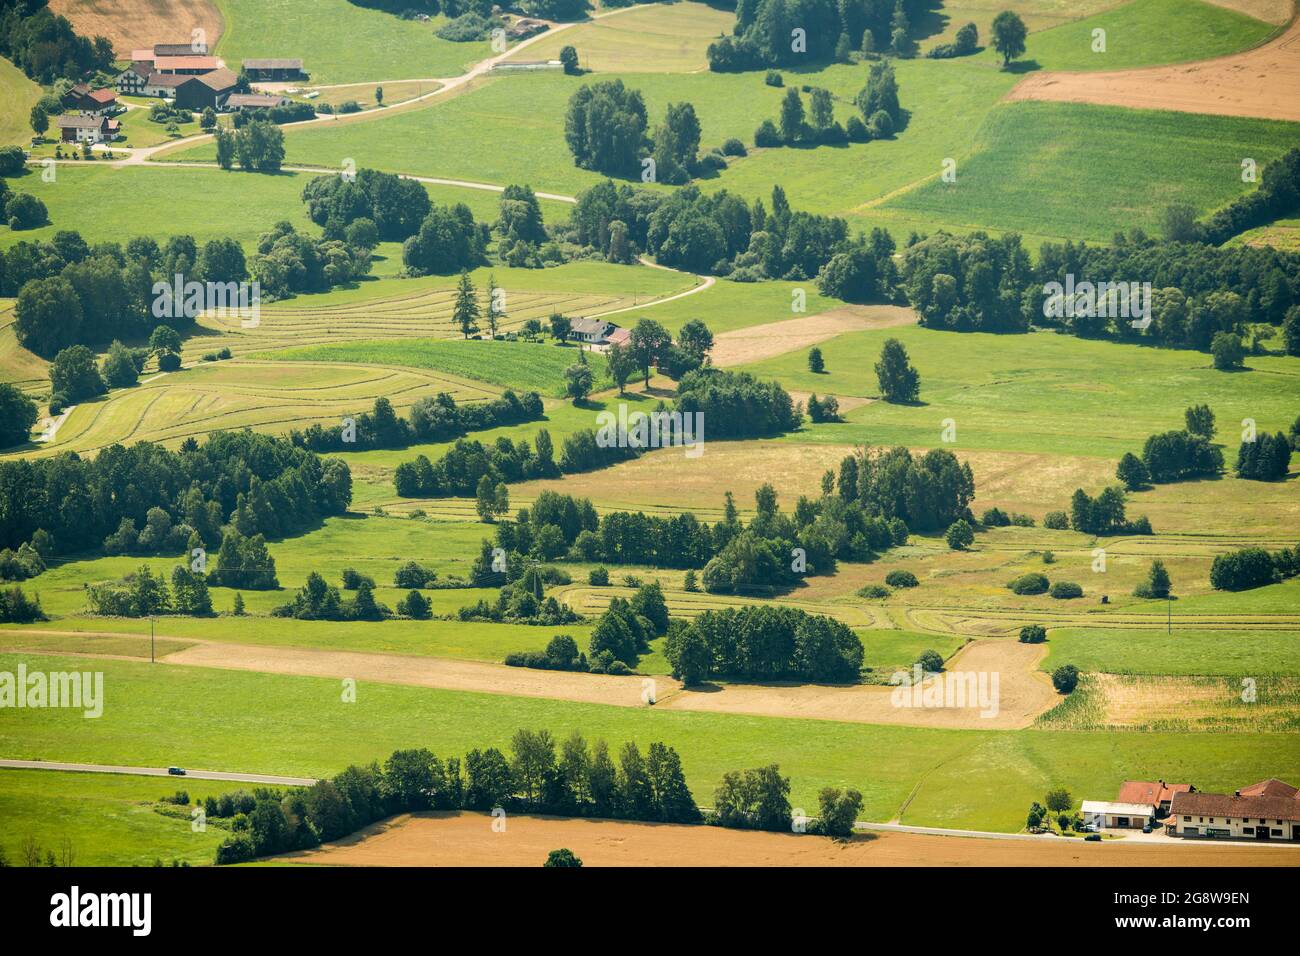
[
  {"x": 776, "y": 338},
  {"x": 1263, "y": 82},
  {"x": 467, "y": 839}
]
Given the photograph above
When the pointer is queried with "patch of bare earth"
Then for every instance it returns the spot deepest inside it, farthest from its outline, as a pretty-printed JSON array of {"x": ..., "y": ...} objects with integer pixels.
[
  {"x": 1263, "y": 82},
  {"x": 741, "y": 346},
  {"x": 990, "y": 684},
  {"x": 136, "y": 24},
  {"x": 1270, "y": 11},
  {"x": 468, "y": 839}
]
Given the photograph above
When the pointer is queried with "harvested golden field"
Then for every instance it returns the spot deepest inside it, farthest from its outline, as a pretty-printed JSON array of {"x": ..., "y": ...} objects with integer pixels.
[
  {"x": 758, "y": 342},
  {"x": 1263, "y": 82},
  {"x": 135, "y": 24},
  {"x": 467, "y": 839},
  {"x": 1215, "y": 704}
]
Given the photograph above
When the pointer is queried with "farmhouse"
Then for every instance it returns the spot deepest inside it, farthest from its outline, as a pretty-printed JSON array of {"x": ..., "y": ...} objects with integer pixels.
[
  {"x": 274, "y": 69},
  {"x": 187, "y": 65},
  {"x": 133, "y": 79},
  {"x": 254, "y": 101},
  {"x": 1159, "y": 794},
  {"x": 162, "y": 84},
  {"x": 1268, "y": 810},
  {"x": 91, "y": 102},
  {"x": 591, "y": 331},
  {"x": 179, "y": 49},
  {"x": 209, "y": 90},
  {"x": 79, "y": 128},
  {"x": 619, "y": 336},
  {"x": 1100, "y": 815}
]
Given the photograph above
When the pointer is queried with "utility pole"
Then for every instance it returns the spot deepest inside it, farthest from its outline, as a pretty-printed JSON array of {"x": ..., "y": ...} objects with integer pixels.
[{"x": 151, "y": 621}]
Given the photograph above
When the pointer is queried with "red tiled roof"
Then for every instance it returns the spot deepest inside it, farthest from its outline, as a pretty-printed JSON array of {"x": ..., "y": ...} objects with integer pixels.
[
  {"x": 1226, "y": 805},
  {"x": 1271, "y": 787},
  {"x": 102, "y": 96},
  {"x": 1142, "y": 791}
]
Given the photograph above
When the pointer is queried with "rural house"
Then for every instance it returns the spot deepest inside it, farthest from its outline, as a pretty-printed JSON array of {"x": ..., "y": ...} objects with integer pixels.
[
  {"x": 1159, "y": 794},
  {"x": 90, "y": 102},
  {"x": 187, "y": 65},
  {"x": 1102, "y": 815},
  {"x": 133, "y": 79},
  {"x": 209, "y": 90},
  {"x": 162, "y": 84},
  {"x": 80, "y": 128},
  {"x": 274, "y": 69},
  {"x": 590, "y": 331},
  {"x": 254, "y": 101},
  {"x": 1268, "y": 810}
]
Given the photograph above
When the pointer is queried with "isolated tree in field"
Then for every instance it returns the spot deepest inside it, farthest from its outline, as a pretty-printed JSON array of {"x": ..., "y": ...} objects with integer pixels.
[
  {"x": 879, "y": 93},
  {"x": 465, "y": 313},
  {"x": 1058, "y": 800},
  {"x": 561, "y": 326},
  {"x": 225, "y": 141},
  {"x": 647, "y": 344},
  {"x": 563, "y": 857},
  {"x": 676, "y": 144},
  {"x": 1132, "y": 472},
  {"x": 40, "y": 120},
  {"x": 1065, "y": 678},
  {"x": 838, "y": 811},
  {"x": 791, "y": 116},
  {"x": 960, "y": 535},
  {"x": 495, "y": 305},
  {"x": 578, "y": 381},
  {"x": 1228, "y": 351},
  {"x": 1009, "y": 36},
  {"x": 931, "y": 661},
  {"x": 816, "y": 363},
  {"x": 621, "y": 364},
  {"x": 1200, "y": 421},
  {"x": 569, "y": 60},
  {"x": 899, "y": 381},
  {"x": 1157, "y": 584},
  {"x": 695, "y": 339}
]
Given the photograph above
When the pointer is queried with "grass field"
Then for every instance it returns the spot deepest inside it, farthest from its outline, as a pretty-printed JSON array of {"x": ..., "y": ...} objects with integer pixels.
[
  {"x": 1018, "y": 392},
  {"x": 955, "y": 778},
  {"x": 523, "y": 366},
  {"x": 340, "y": 42},
  {"x": 1039, "y": 168},
  {"x": 651, "y": 40},
  {"x": 941, "y": 24},
  {"x": 17, "y": 97},
  {"x": 111, "y": 820},
  {"x": 1146, "y": 33}
]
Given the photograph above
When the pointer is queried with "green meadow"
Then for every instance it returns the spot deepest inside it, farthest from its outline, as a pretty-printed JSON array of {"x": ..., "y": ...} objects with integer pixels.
[
  {"x": 1079, "y": 171},
  {"x": 1146, "y": 33},
  {"x": 1032, "y": 392},
  {"x": 299, "y": 726},
  {"x": 340, "y": 42},
  {"x": 17, "y": 97},
  {"x": 1188, "y": 651},
  {"x": 110, "y": 819}
]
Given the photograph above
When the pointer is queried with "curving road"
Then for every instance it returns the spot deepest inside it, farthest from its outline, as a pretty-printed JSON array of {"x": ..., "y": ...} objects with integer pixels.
[{"x": 231, "y": 776}]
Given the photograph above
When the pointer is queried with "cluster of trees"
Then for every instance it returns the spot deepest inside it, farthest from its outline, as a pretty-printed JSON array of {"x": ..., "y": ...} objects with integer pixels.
[
  {"x": 17, "y": 608},
  {"x": 431, "y": 419},
  {"x": 244, "y": 561},
  {"x": 289, "y": 262},
  {"x": 258, "y": 147},
  {"x": 522, "y": 599},
  {"x": 46, "y": 47},
  {"x": 394, "y": 206},
  {"x": 317, "y": 600},
  {"x": 1104, "y": 514},
  {"x": 143, "y": 594},
  {"x": 1278, "y": 195},
  {"x": 460, "y": 471},
  {"x": 966, "y": 42},
  {"x": 540, "y": 775},
  {"x": 736, "y": 404},
  {"x": 1253, "y": 568},
  {"x": 523, "y": 241},
  {"x": 18, "y": 414},
  {"x": 448, "y": 240},
  {"x": 21, "y": 210},
  {"x": 1268, "y": 458},
  {"x": 1171, "y": 456},
  {"x": 278, "y": 115},
  {"x": 765, "y": 35},
  {"x": 71, "y": 293},
  {"x": 877, "y": 101},
  {"x": 979, "y": 283},
  {"x": 27, "y": 561},
  {"x": 763, "y": 642},
  {"x": 259, "y": 484}
]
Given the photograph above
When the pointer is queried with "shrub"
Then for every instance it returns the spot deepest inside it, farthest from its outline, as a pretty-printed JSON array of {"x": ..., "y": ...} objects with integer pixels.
[
  {"x": 598, "y": 578},
  {"x": 1031, "y": 583},
  {"x": 733, "y": 147},
  {"x": 873, "y": 591},
  {"x": 1064, "y": 590},
  {"x": 1033, "y": 634},
  {"x": 767, "y": 134},
  {"x": 960, "y": 535},
  {"x": 901, "y": 579},
  {"x": 931, "y": 661},
  {"x": 413, "y": 576},
  {"x": 1056, "y": 520},
  {"x": 774, "y": 78}
]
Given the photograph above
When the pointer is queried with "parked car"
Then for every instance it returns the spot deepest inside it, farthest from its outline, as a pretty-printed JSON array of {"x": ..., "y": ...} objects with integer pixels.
[
  {"x": 1092, "y": 838},
  {"x": 1147, "y": 828},
  {"x": 176, "y": 771}
]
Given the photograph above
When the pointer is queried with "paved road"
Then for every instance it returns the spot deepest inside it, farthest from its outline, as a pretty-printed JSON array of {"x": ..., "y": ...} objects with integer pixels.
[{"x": 160, "y": 772}]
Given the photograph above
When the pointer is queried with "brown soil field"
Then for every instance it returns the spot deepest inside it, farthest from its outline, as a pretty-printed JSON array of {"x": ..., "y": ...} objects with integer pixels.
[
  {"x": 135, "y": 24},
  {"x": 467, "y": 839},
  {"x": 758, "y": 342},
  {"x": 1263, "y": 82},
  {"x": 1270, "y": 11}
]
